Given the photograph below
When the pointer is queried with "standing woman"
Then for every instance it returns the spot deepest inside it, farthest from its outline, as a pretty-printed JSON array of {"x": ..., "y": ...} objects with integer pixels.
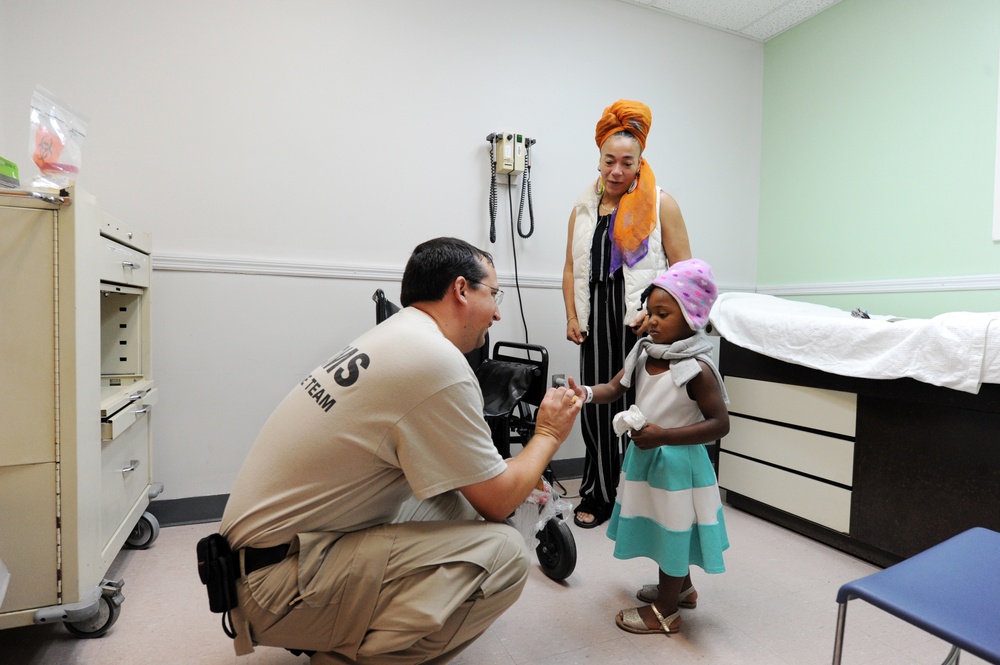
[{"x": 623, "y": 232}]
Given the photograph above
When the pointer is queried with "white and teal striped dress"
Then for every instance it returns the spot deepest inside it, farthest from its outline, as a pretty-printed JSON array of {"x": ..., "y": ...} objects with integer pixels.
[{"x": 668, "y": 506}]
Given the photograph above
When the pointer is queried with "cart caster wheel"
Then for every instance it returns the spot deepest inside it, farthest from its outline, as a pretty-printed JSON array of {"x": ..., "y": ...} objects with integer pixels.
[
  {"x": 100, "y": 623},
  {"x": 556, "y": 550},
  {"x": 145, "y": 532}
]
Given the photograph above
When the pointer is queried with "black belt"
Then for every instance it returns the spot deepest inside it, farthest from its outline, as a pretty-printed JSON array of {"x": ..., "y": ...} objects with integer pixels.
[{"x": 255, "y": 558}]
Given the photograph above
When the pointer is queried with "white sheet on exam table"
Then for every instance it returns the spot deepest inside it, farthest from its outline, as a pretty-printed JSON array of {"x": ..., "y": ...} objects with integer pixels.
[{"x": 959, "y": 350}]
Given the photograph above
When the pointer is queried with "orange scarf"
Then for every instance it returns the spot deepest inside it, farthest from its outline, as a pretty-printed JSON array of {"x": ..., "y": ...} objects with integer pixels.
[{"x": 636, "y": 217}]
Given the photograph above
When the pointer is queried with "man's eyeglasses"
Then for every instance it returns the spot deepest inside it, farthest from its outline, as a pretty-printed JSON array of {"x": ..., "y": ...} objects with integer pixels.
[{"x": 496, "y": 293}]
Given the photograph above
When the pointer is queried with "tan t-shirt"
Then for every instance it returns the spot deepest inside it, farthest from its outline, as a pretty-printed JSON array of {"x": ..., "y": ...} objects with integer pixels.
[{"x": 397, "y": 413}]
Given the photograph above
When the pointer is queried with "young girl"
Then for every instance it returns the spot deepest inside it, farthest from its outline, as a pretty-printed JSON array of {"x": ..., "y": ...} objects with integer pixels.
[{"x": 668, "y": 507}]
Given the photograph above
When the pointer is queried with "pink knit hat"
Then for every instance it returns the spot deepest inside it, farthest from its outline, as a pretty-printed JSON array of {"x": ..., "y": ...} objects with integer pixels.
[{"x": 692, "y": 285}]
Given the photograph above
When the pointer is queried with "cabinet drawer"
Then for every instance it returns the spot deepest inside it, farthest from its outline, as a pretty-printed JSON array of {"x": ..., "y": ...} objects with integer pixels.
[
  {"x": 125, "y": 475},
  {"x": 115, "y": 425},
  {"x": 814, "y": 454},
  {"x": 122, "y": 265},
  {"x": 810, "y": 499},
  {"x": 815, "y": 408}
]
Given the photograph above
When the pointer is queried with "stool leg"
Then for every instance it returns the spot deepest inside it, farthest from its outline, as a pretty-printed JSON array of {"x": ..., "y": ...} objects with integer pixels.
[{"x": 838, "y": 641}]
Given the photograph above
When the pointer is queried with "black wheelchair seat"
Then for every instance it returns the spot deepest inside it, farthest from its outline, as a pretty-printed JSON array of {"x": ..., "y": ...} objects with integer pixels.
[{"x": 504, "y": 384}]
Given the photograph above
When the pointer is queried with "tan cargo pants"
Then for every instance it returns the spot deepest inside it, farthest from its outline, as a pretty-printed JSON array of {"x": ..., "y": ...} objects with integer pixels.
[{"x": 402, "y": 593}]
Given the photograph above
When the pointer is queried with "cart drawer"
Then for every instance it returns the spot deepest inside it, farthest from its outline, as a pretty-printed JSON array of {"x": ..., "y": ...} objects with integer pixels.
[
  {"x": 125, "y": 475},
  {"x": 122, "y": 265},
  {"x": 115, "y": 425}
]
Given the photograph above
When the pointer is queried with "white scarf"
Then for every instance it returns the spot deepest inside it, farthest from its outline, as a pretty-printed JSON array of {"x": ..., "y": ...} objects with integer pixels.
[{"x": 683, "y": 356}]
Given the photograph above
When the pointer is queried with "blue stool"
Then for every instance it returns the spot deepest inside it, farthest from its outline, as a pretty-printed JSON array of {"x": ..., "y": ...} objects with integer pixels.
[{"x": 951, "y": 590}]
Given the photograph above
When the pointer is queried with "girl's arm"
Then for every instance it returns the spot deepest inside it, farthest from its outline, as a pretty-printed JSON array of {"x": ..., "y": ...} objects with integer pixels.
[
  {"x": 705, "y": 390},
  {"x": 605, "y": 393}
]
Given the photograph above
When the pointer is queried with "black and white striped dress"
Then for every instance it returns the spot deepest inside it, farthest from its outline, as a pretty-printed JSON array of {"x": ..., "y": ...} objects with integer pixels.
[{"x": 602, "y": 355}]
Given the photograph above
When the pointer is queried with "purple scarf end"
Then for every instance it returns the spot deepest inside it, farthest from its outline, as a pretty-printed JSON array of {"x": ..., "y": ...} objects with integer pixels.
[{"x": 619, "y": 257}]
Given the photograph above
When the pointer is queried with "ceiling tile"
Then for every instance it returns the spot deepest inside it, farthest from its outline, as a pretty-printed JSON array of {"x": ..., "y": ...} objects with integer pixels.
[
  {"x": 785, "y": 17},
  {"x": 754, "y": 19},
  {"x": 728, "y": 14}
]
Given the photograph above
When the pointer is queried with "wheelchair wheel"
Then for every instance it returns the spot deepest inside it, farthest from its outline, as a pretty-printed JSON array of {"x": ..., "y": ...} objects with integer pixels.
[{"x": 556, "y": 550}]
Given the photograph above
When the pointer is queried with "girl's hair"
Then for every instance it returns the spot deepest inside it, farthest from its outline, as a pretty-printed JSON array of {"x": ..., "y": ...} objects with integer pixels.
[
  {"x": 645, "y": 295},
  {"x": 435, "y": 264}
]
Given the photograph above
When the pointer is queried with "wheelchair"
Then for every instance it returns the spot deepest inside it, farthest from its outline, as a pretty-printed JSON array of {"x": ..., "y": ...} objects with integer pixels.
[{"x": 513, "y": 382}]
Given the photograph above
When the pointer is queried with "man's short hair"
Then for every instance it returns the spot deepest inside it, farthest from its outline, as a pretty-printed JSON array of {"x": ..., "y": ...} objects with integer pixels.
[{"x": 435, "y": 264}]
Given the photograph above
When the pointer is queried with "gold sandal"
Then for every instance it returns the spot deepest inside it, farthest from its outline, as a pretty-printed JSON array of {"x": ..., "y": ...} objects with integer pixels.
[
  {"x": 630, "y": 621},
  {"x": 649, "y": 592}
]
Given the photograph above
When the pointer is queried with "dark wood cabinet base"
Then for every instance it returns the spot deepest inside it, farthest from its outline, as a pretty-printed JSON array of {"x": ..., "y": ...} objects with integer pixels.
[{"x": 926, "y": 460}]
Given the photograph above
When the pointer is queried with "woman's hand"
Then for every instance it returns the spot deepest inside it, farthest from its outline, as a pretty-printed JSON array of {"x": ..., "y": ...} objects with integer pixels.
[
  {"x": 640, "y": 323},
  {"x": 573, "y": 332}
]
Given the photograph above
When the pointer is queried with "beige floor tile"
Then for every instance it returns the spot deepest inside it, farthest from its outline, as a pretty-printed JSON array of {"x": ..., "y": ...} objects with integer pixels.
[{"x": 775, "y": 605}]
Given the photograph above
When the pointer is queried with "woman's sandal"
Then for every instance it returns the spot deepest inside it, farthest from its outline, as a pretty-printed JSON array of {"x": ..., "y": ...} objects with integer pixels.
[
  {"x": 649, "y": 593},
  {"x": 630, "y": 621},
  {"x": 600, "y": 512}
]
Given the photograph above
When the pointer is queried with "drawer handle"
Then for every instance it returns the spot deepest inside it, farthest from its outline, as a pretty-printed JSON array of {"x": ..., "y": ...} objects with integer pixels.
[
  {"x": 139, "y": 395},
  {"x": 129, "y": 264},
  {"x": 141, "y": 411},
  {"x": 132, "y": 466}
]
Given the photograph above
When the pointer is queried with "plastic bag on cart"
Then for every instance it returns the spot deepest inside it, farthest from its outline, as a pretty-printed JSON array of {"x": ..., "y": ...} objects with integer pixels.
[
  {"x": 57, "y": 134},
  {"x": 543, "y": 504}
]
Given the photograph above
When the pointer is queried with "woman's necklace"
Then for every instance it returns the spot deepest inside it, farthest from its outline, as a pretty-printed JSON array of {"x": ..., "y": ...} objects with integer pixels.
[{"x": 605, "y": 208}]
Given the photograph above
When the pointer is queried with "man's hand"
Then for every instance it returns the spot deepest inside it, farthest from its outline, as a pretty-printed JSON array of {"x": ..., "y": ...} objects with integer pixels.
[
  {"x": 558, "y": 411},
  {"x": 495, "y": 499}
]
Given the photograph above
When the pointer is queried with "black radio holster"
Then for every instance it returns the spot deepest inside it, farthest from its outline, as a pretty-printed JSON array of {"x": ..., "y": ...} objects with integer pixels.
[{"x": 218, "y": 569}]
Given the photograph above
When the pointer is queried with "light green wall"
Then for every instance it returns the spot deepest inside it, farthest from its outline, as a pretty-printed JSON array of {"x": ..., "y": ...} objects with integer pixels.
[
  {"x": 879, "y": 130},
  {"x": 913, "y": 305}
]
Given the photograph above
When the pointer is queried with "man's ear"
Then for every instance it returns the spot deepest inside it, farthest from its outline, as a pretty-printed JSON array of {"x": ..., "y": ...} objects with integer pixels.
[{"x": 460, "y": 287}]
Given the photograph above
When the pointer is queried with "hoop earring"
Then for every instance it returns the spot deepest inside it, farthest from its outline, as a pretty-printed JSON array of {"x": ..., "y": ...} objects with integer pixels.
[
  {"x": 599, "y": 187},
  {"x": 631, "y": 188}
]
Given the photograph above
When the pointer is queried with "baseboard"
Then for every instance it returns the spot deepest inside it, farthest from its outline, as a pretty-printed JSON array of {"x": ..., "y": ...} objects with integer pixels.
[
  {"x": 192, "y": 510},
  {"x": 202, "y": 509},
  {"x": 566, "y": 469}
]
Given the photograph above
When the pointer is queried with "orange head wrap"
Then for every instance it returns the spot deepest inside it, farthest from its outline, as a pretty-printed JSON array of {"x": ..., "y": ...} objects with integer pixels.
[
  {"x": 625, "y": 116},
  {"x": 636, "y": 216}
]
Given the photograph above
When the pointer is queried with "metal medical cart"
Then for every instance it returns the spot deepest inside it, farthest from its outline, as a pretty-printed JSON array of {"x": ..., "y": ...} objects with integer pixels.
[{"x": 76, "y": 404}]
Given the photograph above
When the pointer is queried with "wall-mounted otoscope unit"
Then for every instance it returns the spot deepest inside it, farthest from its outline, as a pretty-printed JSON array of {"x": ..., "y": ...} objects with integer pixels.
[{"x": 510, "y": 153}]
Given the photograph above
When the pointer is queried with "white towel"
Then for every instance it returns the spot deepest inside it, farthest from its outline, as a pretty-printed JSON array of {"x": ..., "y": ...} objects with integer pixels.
[{"x": 628, "y": 421}]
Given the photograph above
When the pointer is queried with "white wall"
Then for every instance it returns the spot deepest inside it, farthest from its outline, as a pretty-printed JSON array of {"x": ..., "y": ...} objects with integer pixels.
[{"x": 328, "y": 137}]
